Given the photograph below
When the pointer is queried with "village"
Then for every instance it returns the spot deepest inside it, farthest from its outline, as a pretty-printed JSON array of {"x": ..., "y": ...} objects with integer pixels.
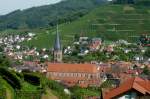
[
  {"x": 75, "y": 49},
  {"x": 87, "y": 62}
]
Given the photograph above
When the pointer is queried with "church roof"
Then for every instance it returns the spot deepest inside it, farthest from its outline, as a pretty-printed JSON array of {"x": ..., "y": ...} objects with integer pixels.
[
  {"x": 57, "y": 45},
  {"x": 72, "y": 68}
]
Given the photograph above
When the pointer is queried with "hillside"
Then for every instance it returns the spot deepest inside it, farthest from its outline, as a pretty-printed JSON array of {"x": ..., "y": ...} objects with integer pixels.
[
  {"x": 15, "y": 85},
  {"x": 46, "y": 16},
  {"x": 111, "y": 22}
]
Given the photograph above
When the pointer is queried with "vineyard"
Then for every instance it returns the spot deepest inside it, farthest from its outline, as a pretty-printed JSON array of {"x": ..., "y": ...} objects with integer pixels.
[{"x": 111, "y": 22}]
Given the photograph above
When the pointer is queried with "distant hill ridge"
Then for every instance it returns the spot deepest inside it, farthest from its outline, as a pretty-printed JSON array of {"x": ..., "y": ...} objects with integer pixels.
[{"x": 45, "y": 16}]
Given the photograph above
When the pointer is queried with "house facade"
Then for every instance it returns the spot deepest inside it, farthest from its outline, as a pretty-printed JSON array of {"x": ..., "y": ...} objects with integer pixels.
[{"x": 95, "y": 44}]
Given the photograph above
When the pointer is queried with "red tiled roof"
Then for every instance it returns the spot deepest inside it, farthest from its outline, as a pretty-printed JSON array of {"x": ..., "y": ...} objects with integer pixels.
[
  {"x": 72, "y": 68},
  {"x": 142, "y": 86}
]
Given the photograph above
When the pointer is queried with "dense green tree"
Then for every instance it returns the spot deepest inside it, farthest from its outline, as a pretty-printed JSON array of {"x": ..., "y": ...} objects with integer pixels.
[
  {"x": 107, "y": 84},
  {"x": 11, "y": 78},
  {"x": 1, "y": 49},
  {"x": 32, "y": 78},
  {"x": 144, "y": 40},
  {"x": 4, "y": 61},
  {"x": 147, "y": 53},
  {"x": 57, "y": 87},
  {"x": 76, "y": 37},
  {"x": 82, "y": 93},
  {"x": 146, "y": 70},
  {"x": 124, "y": 1},
  {"x": 143, "y": 2}
]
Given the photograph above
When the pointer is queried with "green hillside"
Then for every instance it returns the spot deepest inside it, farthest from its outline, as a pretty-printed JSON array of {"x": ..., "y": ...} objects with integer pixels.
[
  {"x": 14, "y": 85},
  {"x": 111, "y": 22},
  {"x": 48, "y": 15}
]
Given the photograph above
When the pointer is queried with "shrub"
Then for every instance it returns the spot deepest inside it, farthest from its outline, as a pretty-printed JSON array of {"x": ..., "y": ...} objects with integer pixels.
[
  {"x": 11, "y": 78},
  {"x": 32, "y": 79}
]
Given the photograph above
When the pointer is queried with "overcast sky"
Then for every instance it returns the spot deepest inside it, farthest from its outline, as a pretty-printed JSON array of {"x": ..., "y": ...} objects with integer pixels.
[{"x": 7, "y": 6}]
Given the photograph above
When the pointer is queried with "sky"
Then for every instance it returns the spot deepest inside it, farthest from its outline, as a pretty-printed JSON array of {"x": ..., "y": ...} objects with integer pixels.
[{"x": 7, "y": 6}]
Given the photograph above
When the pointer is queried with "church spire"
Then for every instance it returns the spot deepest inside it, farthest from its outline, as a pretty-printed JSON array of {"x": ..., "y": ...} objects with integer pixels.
[{"x": 57, "y": 45}]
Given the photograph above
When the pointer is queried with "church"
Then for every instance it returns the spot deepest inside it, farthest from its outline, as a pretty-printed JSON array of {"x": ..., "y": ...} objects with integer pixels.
[
  {"x": 57, "y": 53},
  {"x": 83, "y": 75}
]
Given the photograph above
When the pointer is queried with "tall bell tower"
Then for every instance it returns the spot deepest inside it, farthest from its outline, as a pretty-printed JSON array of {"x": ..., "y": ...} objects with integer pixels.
[{"x": 57, "y": 48}]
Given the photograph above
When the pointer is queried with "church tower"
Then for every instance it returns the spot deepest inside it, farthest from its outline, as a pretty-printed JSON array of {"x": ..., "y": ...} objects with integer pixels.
[{"x": 57, "y": 48}]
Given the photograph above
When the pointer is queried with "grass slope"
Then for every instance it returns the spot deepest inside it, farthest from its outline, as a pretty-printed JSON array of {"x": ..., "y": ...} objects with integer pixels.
[
  {"x": 111, "y": 22},
  {"x": 9, "y": 89},
  {"x": 49, "y": 95}
]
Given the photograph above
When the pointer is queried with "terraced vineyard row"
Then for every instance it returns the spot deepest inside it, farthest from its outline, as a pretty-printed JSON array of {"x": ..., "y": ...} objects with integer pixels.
[{"x": 110, "y": 22}]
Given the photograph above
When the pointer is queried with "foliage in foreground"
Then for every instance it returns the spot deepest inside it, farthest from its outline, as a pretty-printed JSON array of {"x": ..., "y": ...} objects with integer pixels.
[
  {"x": 81, "y": 93},
  {"x": 11, "y": 78}
]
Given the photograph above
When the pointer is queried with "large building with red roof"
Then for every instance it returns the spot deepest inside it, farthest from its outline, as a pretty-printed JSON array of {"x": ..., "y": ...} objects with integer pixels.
[
  {"x": 133, "y": 88},
  {"x": 83, "y": 75}
]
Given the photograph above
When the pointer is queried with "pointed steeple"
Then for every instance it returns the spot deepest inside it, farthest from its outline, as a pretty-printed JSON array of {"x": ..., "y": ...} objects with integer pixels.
[
  {"x": 57, "y": 48},
  {"x": 57, "y": 45}
]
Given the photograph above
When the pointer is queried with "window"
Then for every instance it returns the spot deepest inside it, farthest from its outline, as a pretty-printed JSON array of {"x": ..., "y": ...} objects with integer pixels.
[
  {"x": 71, "y": 74},
  {"x": 79, "y": 75},
  {"x": 59, "y": 74},
  {"x": 130, "y": 95},
  {"x": 58, "y": 56},
  {"x": 55, "y": 74},
  {"x": 74, "y": 74},
  {"x": 67, "y": 74},
  {"x": 62, "y": 74},
  {"x": 84, "y": 75},
  {"x": 127, "y": 97}
]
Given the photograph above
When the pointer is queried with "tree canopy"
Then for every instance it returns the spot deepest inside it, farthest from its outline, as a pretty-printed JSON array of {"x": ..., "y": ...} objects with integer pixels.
[{"x": 49, "y": 15}]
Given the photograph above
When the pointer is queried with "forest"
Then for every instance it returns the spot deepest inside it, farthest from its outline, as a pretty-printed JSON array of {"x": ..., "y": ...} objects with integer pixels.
[{"x": 48, "y": 15}]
